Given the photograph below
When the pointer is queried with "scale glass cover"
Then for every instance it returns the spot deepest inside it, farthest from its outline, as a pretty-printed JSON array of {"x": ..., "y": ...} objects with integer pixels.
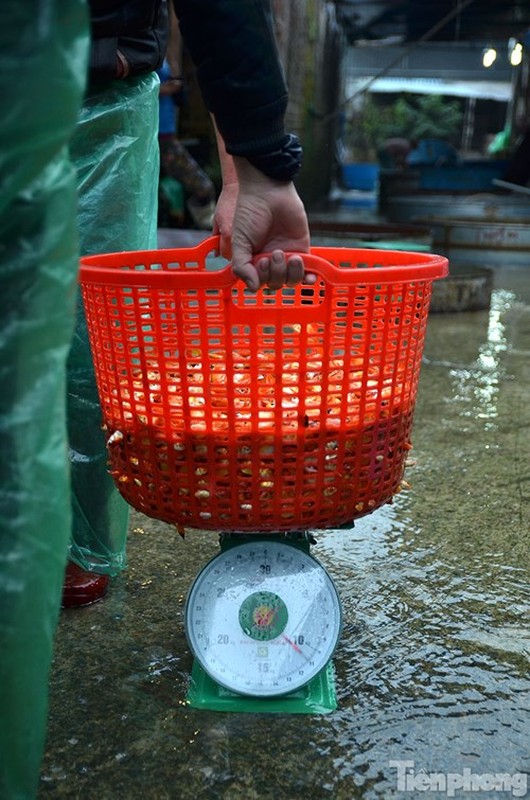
[{"x": 263, "y": 618}]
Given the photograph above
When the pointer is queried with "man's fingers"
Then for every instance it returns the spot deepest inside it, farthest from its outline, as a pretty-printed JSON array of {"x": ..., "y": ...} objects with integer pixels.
[
  {"x": 263, "y": 269},
  {"x": 273, "y": 271},
  {"x": 310, "y": 278},
  {"x": 295, "y": 271},
  {"x": 277, "y": 270}
]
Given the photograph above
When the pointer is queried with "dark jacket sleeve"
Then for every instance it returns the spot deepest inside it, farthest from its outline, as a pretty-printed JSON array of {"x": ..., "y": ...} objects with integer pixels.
[{"x": 233, "y": 47}]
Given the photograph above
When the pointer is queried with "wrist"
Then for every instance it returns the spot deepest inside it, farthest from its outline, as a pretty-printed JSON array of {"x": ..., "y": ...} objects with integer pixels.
[
  {"x": 281, "y": 164},
  {"x": 249, "y": 175}
]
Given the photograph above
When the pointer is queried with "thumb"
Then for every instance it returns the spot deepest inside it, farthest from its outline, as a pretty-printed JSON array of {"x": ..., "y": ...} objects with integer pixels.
[{"x": 243, "y": 267}]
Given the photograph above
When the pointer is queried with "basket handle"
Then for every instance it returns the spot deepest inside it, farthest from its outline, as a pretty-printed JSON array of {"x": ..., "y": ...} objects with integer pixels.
[
  {"x": 312, "y": 263},
  {"x": 404, "y": 265},
  {"x": 225, "y": 276},
  {"x": 212, "y": 244},
  {"x": 356, "y": 267}
]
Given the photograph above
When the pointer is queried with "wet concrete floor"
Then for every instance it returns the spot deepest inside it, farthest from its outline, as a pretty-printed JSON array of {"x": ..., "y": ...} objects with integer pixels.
[{"x": 433, "y": 663}]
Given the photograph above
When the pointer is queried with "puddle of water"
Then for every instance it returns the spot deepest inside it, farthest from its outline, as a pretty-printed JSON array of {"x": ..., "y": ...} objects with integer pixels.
[{"x": 434, "y": 663}]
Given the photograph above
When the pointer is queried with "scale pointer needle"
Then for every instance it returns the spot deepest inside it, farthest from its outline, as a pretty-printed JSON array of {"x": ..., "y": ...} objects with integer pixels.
[{"x": 293, "y": 645}]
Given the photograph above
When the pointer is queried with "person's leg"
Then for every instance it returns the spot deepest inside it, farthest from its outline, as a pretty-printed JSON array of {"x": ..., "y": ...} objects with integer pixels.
[
  {"x": 115, "y": 151},
  {"x": 177, "y": 163},
  {"x": 43, "y": 52}
]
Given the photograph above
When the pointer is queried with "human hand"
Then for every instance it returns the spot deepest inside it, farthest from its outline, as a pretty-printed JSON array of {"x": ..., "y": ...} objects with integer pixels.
[
  {"x": 223, "y": 219},
  {"x": 263, "y": 216}
]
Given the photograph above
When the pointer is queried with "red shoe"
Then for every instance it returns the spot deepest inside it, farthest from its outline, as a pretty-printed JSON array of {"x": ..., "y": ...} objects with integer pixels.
[{"x": 81, "y": 588}]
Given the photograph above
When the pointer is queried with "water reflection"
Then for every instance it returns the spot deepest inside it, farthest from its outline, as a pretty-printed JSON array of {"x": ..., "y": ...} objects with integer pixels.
[
  {"x": 479, "y": 389},
  {"x": 433, "y": 664},
  {"x": 475, "y": 385}
]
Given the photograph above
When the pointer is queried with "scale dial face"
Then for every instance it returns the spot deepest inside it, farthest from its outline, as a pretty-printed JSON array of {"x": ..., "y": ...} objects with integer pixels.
[{"x": 263, "y": 618}]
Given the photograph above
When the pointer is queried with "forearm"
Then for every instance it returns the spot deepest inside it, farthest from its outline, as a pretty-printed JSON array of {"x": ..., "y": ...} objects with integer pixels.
[{"x": 228, "y": 169}]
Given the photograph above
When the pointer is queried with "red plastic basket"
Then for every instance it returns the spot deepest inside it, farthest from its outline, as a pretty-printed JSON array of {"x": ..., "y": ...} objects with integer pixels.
[{"x": 232, "y": 410}]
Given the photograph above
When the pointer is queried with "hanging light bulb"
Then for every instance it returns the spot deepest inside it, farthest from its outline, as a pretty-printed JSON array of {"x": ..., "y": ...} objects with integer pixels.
[
  {"x": 516, "y": 54},
  {"x": 488, "y": 56}
]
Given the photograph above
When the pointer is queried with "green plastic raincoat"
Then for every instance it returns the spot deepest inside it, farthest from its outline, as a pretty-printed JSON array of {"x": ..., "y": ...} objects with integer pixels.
[
  {"x": 115, "y": 152},
  {"x": 43, "y": 56}
]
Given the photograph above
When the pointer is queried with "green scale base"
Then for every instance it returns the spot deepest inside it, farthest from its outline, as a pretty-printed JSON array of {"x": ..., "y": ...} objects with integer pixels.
[{"x": 317, "y": 697}]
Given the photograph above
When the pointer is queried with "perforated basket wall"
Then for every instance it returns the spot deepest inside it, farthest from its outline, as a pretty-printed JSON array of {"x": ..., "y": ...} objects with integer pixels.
[{"x": 230, "y": 410}]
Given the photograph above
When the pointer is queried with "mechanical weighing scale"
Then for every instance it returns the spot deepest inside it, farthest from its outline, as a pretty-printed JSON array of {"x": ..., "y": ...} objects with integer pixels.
[
  {"x": 263, "y": 619},
  {"x": 261, "y": 416}
]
